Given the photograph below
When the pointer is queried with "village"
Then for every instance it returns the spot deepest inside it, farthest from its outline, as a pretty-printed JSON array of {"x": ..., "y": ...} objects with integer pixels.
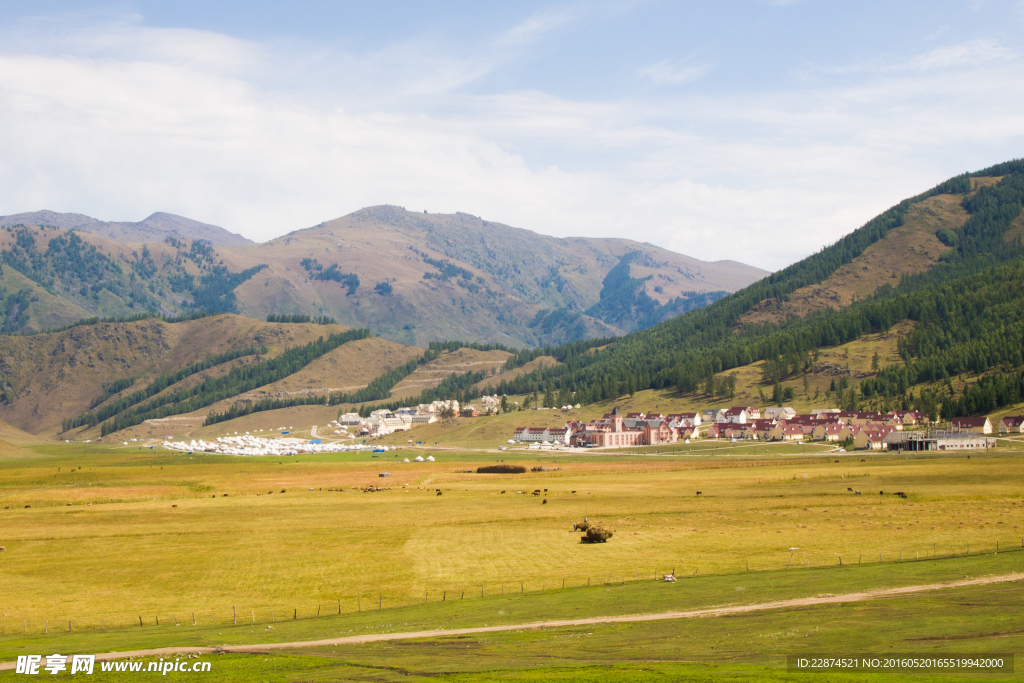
[{"x": 894, "y": 430}]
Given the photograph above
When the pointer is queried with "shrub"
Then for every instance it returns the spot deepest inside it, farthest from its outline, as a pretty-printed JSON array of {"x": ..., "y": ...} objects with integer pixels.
[
  {"x": 501, "y": 469},
  {"x": 947, "y": 237}
]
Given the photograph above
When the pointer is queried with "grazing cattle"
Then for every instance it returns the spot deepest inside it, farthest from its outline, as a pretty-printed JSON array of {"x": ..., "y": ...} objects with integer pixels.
[
  {"x": 3, "y": 548},
  {"x": 574, "y": 492},
  {"x": 545, "y": 502},
  {"x": 900, "y": 494},
  {"x": 174, "y": 506},
  {"x": 503, "y": 492},
  {"x": 698, "y": 493},
  {"x": 837, "y": 461},
  {"x": 881, "y": 493},
  {"x": 848, "y": 488},
  {"x": 856, "y": 493},
  {"x": 439, "y": 493}
]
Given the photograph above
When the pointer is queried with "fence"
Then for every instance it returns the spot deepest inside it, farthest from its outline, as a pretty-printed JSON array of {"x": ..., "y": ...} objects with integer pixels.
[{"x": 12, "y": 625}]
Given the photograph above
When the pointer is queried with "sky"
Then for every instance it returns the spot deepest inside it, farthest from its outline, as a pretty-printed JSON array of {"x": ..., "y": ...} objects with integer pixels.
[{"x": 757, "y": 131}]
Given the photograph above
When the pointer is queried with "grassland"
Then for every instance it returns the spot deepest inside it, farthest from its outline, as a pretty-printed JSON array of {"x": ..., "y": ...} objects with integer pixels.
[
  {"x": 745, "y": 646},
  {"x": 181, "y": 545}
]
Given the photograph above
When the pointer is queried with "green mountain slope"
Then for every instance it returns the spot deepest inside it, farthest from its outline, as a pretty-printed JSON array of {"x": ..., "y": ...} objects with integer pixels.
[{"x": 967, "y": 310}]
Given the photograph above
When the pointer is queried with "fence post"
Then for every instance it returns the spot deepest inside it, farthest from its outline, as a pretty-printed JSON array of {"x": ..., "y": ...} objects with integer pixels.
[
  {"x": 140, "y": 620},
  {"x": 69, "y": 626},
  {"x": 234, "y": 615},
  {"x": 339, "y": 605},
  {"x": 193, "y": 618},
  {"x": 380, "y": 605},
  {"x": 296, "y": 614},
  {"x": 253, "y": 612}
]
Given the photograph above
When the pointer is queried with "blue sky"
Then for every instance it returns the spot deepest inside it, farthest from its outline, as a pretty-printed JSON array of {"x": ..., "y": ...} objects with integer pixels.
[{"x": 754, "y": 131}]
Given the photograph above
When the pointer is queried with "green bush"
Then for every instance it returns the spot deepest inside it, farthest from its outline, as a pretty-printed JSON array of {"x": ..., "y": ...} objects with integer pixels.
[{"x": 947, "y": 237}]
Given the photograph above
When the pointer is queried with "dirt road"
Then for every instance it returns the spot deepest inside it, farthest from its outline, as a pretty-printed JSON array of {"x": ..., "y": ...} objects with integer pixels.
[{"x": 558, "y": 623}]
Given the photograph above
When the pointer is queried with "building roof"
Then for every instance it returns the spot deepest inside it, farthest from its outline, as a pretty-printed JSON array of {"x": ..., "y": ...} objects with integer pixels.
[
  {"x": 1013, "y": 420},
  {"x": 970, "y": 421}
]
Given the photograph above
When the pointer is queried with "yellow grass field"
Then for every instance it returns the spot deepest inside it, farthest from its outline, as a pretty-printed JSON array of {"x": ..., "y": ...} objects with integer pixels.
[{"x": 112, "y": 534}]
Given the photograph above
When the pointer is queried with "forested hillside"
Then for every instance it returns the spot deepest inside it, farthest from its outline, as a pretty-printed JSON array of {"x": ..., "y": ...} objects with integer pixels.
[
  {"x": 968, "y": 312},
  {"x": 54, "y": 277}
]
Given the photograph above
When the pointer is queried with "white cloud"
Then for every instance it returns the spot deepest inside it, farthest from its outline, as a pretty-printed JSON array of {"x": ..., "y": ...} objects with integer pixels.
[
  {"x": 971, "y": 53},
  {"x": 538, "y": 24},
  {"x": 666, "y": 72},
  {"x": 118, "y": 120}
]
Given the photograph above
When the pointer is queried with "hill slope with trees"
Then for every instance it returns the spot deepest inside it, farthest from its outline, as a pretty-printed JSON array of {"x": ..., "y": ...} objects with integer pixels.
[{"x": 967, "y": 312}]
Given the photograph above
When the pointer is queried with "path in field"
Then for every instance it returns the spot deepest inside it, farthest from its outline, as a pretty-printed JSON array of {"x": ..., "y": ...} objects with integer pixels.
[
  {"x": 312, "y": 432},
  {"x": 559, "y": 623}
]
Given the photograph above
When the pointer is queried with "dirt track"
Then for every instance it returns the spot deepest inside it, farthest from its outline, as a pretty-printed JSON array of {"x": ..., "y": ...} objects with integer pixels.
[{"x": 708, "y": 612}]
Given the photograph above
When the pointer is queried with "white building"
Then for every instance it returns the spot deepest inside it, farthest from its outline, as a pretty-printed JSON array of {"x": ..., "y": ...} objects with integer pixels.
[{"x": 775, "y": 414}]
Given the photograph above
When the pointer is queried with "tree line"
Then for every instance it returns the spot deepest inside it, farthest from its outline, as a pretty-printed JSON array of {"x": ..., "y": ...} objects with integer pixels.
[{"x": 239, "y": 380}]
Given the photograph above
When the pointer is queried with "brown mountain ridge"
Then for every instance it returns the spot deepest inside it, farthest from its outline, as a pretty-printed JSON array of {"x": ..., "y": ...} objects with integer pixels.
[{"x": 408, "y": 277}]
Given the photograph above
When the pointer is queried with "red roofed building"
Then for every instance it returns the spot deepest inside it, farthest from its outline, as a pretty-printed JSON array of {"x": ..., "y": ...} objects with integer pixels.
[
  {"x": 978, "y": 425},
  {"x": 1012, "y": 425}
]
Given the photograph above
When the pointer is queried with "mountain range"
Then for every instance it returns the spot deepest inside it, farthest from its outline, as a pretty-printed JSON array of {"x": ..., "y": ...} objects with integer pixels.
[
  {"x": 152, "y": 229},
  {"x": 409, "y": 277},
  {"x": 929, "y": 295}
]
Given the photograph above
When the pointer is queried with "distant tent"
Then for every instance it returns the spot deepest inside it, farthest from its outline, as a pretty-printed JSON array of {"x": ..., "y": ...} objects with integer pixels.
[{"x": 419, "y": 458}]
